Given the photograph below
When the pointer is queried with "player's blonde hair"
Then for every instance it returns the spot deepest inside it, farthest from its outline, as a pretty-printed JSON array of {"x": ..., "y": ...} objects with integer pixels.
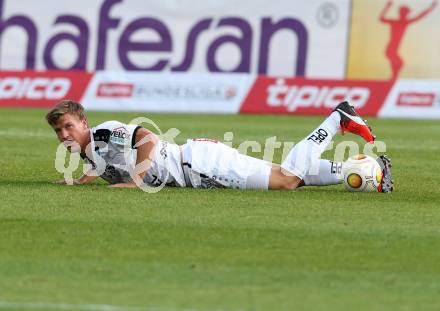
[{"x": 66, "y": 106}]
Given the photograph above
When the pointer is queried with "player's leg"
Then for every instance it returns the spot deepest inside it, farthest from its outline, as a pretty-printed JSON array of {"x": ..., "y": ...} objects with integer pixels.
[
  {"x": 279, "y": 180},
  {"x": 296, "y": 168},
  {"x": 217, "y": 165},
  {"x": 211, "y": 164},
  {"x": 329, "y": 173}
]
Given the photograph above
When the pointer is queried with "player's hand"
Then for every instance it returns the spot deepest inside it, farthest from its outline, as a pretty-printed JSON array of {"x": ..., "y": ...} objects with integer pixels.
[{"x": 124, "y": 185}]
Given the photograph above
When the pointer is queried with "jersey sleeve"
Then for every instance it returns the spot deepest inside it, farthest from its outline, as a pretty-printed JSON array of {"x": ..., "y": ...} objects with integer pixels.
[{"x": 116, "y": 133}]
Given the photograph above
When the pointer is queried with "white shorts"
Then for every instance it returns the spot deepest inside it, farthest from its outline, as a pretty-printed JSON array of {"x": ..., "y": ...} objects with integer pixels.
[{"x": 210, "y": 164}]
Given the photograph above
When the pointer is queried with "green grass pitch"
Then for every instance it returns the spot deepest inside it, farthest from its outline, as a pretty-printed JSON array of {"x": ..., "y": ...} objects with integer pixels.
[{"x": 318, "y": 248}]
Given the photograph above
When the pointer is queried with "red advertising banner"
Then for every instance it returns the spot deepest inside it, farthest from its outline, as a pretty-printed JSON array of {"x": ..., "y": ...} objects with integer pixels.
[
  {"x": 270, "y": 95},
  {"x": 219, "y": 93},
  {"x": 41, "y": 89}
]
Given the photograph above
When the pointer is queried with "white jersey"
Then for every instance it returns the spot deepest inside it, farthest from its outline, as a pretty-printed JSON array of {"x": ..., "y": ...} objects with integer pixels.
[
  {"x": 114, "y": 156},
  {"x": 208, "y": 163}
]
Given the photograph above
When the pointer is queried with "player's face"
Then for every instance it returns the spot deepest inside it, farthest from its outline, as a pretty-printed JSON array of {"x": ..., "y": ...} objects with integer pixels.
[{"x": 72, "y": 131}]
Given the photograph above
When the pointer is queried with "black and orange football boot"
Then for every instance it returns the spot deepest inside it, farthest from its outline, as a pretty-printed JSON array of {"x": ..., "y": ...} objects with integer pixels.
[{"x": 353, "y": 123}]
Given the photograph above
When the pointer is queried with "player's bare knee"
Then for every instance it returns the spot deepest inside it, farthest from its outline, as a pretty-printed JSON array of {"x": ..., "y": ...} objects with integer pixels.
[
  {"x": 282, "y": 181},
  {"x": 285, "y": 182},
  {"x": 290, "y": 183}
]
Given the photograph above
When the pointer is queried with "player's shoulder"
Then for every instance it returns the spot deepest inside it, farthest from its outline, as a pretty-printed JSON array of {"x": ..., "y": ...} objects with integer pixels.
[
  {"x": 104, "y": 131},
  {"x": 110, "y": 125},
  {"x": 115, "y": 132}
]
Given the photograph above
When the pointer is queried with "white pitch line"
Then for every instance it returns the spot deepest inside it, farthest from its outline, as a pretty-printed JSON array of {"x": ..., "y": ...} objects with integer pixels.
[
  {"x": 62, "y": 306},
  {"x": 24, "y": 133},
  {"x": 8, "y": 305}
]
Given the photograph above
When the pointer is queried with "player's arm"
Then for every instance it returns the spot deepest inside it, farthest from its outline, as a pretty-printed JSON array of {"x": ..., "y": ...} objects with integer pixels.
[
  {"x": 145, "y": 142},
  {"x": 84, "y": 179},
  {"x": 385, "y": 10}
]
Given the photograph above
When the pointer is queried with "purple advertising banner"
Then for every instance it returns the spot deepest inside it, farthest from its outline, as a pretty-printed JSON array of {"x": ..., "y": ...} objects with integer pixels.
[{"x": 283, "y": 37}]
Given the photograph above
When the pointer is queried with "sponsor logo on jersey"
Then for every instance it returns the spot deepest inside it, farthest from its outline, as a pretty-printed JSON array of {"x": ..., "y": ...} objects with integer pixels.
[{"x": 120, "y": 136}]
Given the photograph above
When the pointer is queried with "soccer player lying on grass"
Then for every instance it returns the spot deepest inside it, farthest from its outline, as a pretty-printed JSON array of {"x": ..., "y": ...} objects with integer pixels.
[{"x": 128, "y": 155}]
